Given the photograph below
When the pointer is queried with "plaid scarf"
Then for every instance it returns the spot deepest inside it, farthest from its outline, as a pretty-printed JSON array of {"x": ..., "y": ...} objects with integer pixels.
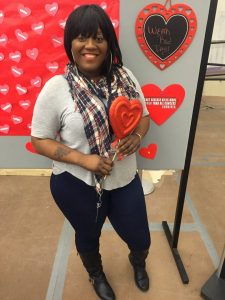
[{"x": 93, "y": 100}]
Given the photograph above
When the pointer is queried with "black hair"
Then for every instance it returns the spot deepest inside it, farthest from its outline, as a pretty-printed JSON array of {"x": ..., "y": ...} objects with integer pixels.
[{"x": 86, "y": 20}]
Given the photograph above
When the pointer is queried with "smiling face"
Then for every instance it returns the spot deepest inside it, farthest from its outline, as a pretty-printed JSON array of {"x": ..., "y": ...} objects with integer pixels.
[{"x": 90, "y": 53}]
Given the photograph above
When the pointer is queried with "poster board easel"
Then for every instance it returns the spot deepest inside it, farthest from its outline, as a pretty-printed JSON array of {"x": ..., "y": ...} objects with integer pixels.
[{"x": 174, "y": 237}]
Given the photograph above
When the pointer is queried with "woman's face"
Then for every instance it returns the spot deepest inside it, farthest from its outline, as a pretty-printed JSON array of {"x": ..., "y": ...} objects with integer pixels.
[{"x": 90, "y": 53}]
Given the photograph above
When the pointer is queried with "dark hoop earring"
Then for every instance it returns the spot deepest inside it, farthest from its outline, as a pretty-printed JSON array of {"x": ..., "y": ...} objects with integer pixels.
[
  {"x": 72, "y": 55},
  {"x": 110, "y": 66}
]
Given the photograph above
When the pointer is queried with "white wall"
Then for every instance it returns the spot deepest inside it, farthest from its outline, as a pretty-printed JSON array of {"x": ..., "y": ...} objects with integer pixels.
[
  {"x": 214, "y": 88},
  {"x": 217, "y": 52}
]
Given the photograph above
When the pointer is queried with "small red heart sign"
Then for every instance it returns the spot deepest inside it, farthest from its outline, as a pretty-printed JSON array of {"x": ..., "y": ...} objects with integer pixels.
[
  {"x": 162, "y": 104},
  {"x": 124, "y": 116},
  {"x": 30, "y": 148},
  {"x": 165, "y": 34},
  {"x": 149, "y": 152}
]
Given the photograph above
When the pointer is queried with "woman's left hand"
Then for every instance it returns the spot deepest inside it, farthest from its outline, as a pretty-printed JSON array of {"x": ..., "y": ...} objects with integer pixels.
[{"x": 128, "y": 145}]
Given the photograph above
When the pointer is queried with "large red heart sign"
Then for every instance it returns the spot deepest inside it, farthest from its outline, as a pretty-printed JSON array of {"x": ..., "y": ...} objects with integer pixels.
[
  {"x": 124, "y": 116},
  {"x": 162, "y": 104},
  {"x": 165, "y": 34}
]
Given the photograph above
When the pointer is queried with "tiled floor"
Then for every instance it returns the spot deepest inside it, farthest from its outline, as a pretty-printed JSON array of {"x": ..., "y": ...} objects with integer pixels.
[{"x": 37, "y": 256}]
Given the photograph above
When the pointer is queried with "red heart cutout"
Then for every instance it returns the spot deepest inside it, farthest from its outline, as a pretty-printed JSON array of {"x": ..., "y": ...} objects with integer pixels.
[
  {"x": 149, "y": 152},
  {"x": 124, "y": 115},
  {"x": 165, "y": 34},
  {"x": 4, "y": 129},
  {"x": 161, "y": 104},
  {"x": 30, "y": 148},
  {"x": 7, "y": 107}
]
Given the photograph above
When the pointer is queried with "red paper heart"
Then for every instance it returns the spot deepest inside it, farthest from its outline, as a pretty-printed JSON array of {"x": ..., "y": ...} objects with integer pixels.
[
  {"x": 124, "y": 116},
  {"x": 164, "y": 35},
  {"x": 16, "y": 119},
  {"x": 1, "y": 16},
  {"x": 24, "y": 11},
  {"x": 4, "y": 89},
  {"x": 2, "y": 56},
  {"x": 25, "y": 104},
  {"x": 15, "y": 56},
  {"x": 3, "y": 40},
  {"x": 30, "y": 148},
  {"x": 7, "y": 107},
  {"x": 4, "y": 129},
  {"x": 161, "y": 104},
  {"x": 149, "y": 152}
]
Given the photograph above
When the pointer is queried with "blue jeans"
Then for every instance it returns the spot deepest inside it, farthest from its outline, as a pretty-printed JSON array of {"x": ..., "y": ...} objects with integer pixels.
[{"x": 124, "y": 207}]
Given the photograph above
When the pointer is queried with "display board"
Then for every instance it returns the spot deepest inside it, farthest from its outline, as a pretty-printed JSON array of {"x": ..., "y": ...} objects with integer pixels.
[
  {"x": 167, "y": 73},
  {"x": 161, "y": 41}
]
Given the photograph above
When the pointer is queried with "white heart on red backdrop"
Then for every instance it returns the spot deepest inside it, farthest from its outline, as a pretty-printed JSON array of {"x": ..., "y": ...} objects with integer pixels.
[
  {"x": 25, "y": 104},
  {"x": 115, "y": 23},
  {"x": 16, "y": 71},
  {"x": 16, "y": 119},
  {"x": 1, "y": 56},
  {"x": 24, "y": 11},
  {"x": 21, "y": 90},
  {"x": 103, "y": 5},
  {"x": 15, "y": 56},
  {"x": 29, "y": 126},
  {"x": 4, "y": 89},
  {"x": 7, "y": 107},
  {"x": 38, "y": 27},
  {"x": 52, "y": 8},
  {"x": 62, "y": 23},
  {"x": 32, "y": 53},
  {"x": 4, "y": 128},
  {"x": 57, "y": 41},
  {"x": 1, "y": 16},
  {"x": 36, "y": 81},
  {"x": 20, "y": 35},
  {"x": 52, "y": 66},
  {"x": 3, "y": 39}
]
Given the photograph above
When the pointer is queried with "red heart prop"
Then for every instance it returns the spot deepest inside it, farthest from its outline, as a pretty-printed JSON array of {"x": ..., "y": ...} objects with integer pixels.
[
  {"x": 28, "y": 30},
  {"x": 165, "y": 34},
  {"x": 30, "y": 148},
  {"x": 161, "y": 104},
  {"x": 124, "y": 116},
  {"x": 149, "y": 152}
]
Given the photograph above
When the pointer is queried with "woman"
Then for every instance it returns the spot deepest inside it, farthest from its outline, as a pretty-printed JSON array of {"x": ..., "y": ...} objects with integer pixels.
[{"x": 70, "y": 125}]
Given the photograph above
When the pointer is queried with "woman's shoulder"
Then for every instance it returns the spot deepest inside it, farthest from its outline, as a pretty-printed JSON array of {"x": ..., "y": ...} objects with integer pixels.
[
  {"x": 129, "y": 72},
  {"x": 55, "y": 81},
  {"x": 56, "y": 86},
  {"x": 126, "y": 69},
  {"x": 131, "y": 75},
  {"x": 55, "y": 90}
]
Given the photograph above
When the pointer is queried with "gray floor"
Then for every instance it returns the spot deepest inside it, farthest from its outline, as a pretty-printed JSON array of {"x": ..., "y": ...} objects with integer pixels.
[{"x": 37, "y": 256}]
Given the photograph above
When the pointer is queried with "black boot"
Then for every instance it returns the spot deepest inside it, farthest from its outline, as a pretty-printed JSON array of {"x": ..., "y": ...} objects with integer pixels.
[
  {"x": 137, "y": 260},
  {"x": 93, "y": 264}
]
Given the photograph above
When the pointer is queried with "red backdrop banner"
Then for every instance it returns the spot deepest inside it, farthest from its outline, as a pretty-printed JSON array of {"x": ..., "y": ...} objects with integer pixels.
[{"x": 31, "y": 51}]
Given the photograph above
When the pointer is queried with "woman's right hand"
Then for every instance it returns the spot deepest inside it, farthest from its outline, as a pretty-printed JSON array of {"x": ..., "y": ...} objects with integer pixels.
[{"x": 99, "y": 165}]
